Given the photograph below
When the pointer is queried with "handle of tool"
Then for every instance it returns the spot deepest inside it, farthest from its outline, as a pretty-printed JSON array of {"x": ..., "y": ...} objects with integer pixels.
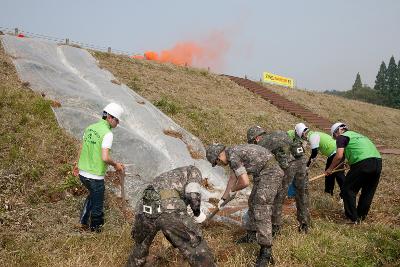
[
  {"x": 212, "y": 214},
  {"x": 323, "y": 175},
  {"x": 122, "y": 184}
]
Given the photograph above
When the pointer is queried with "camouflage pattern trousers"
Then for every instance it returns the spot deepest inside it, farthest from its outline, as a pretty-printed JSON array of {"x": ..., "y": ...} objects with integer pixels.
[
  {"x": 265, "y": 187},
  {"x": 179, "y": 229},
  {"x": 297, "y": 171}
]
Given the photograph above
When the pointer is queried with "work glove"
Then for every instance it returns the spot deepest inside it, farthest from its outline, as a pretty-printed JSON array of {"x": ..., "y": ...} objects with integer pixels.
[{"x": 201, "y": 218}]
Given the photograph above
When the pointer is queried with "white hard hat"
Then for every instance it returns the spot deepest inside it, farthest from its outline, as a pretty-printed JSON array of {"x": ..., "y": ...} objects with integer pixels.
[
  {"x": 336, "y": 126},
  {"x": 300, "y": 128},
  {"x": 114, "y": 110}
]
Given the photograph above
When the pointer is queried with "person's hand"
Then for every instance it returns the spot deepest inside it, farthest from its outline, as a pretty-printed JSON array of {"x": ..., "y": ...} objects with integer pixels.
[
  {"x": 230, "y": 196},
  {"x": 328, "y": 171},
  {"x": 119, "y": 167},
  {"x": 75, "y": 170},
  {"x": 201, "y": 218}
]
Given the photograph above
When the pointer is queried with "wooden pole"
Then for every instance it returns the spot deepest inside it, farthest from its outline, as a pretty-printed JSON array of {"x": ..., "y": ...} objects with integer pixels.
[
  {"x": 323, "y": 175},
  {"x": 122, "y": 181}
]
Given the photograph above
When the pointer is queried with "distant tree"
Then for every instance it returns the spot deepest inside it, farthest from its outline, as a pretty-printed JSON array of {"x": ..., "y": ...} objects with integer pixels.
[
  {"x": 396, "y": 92},
  {"x": 391, "y": 81},
  {"x": 381, "y": 79},
  {"x": 357, "y": 83},
  {"x": 386, "y": 91}
]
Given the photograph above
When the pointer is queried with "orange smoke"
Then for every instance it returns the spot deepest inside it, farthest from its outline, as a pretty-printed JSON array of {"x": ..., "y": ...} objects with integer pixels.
[{"x": 207, "y": 53}]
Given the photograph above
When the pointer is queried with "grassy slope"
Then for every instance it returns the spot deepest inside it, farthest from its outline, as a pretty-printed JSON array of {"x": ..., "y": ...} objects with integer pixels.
[
  {"x": 38, "y": 230},
  {"x": 211, "y": 107}
]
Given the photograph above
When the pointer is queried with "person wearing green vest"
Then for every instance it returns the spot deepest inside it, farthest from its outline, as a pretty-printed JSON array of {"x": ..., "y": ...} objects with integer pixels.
[
  {"x": 365, "y": 170},
  {"x": 94, "y": 157},
  {"x": 322, "y": 142}
]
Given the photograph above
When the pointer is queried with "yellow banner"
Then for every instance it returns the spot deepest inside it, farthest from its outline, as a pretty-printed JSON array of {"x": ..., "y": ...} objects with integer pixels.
[{"x": 272, "y": 78}]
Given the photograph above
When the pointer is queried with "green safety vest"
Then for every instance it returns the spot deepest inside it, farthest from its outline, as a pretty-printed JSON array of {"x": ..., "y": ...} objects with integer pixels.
[
  {"x": 327, "y": 145},
  {"x": 90, "y": 159},
  {"x": 359, "y": 148}
]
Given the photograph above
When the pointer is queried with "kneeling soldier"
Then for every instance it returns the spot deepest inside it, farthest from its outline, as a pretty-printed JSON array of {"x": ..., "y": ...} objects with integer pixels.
[{"x": 164, "y": 207}]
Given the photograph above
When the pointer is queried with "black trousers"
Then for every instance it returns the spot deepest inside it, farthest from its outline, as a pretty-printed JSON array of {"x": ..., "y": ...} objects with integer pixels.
[
  {"x": 330, "y": 179},
  {"x": 364, "y": 176}
]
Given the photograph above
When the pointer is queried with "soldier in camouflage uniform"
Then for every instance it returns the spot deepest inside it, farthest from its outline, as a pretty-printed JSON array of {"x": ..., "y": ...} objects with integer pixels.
[
  {"x": 164, "y": 207},
  {"x": 290, "y": 156},
  {"x": 300, "y": 181},
  {"x": 257, "y": 161}
]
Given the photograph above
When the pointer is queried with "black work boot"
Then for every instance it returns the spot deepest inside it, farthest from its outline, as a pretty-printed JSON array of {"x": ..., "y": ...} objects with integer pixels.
[
  {"x": 264, "y": 257},
  {"x": 275, "y": 230},
  {"x": 249, "y": 237},
  {"x": 303, "y": 228}
]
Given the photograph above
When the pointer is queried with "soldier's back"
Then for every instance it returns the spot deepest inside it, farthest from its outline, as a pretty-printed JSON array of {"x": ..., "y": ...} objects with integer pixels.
[
  {"x": 252, "y": 157},
  {"x": 275, "y": 140}
]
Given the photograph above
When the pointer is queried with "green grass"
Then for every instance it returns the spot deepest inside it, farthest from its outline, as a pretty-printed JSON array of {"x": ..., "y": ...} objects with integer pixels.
[{"x": 167, "y": 106}]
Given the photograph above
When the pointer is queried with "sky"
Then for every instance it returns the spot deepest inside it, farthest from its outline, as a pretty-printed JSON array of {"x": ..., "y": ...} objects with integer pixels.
[{"x": 320, "y": 44}]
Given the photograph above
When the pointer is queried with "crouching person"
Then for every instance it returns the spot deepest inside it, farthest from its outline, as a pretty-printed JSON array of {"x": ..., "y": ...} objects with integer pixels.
[
  {"x": 259, "y": 162},
  {"x": 163, "y": 207}
]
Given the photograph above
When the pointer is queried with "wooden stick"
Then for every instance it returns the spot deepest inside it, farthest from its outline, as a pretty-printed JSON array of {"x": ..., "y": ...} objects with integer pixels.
[
  {"x": 322, "y": 175},
  {"x": 212, "y": 214},
  {"x": 122, "y": 184}
]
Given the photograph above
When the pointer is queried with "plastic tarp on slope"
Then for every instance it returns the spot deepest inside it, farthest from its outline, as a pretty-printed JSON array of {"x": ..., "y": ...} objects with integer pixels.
[{"x": 71, "y": 76}]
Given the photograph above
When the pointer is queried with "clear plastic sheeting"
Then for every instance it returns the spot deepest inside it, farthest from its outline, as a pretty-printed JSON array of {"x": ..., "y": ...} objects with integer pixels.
[{"x": 72, "y": 77}]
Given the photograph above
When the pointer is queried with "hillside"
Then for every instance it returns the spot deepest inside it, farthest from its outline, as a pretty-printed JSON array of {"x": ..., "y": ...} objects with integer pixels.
[
  {"x": 214, "y": 109},
  {"x": 378, "y": 122},
  {"x": 208, "y": 105}
]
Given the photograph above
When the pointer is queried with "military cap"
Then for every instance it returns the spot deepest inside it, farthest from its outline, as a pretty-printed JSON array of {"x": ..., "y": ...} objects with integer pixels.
[
  {"x": 212, "y": 153},
  {"x": 253, "y": 132}
]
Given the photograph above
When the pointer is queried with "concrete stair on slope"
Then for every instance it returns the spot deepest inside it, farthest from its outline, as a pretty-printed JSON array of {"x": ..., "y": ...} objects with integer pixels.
[{"x": 283, "y": 103}]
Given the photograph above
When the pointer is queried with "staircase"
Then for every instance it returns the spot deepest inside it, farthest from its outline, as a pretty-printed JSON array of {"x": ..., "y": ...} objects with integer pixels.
[
  {"x": 295, "y": 109},
  {"x": 283, "y": 103}
]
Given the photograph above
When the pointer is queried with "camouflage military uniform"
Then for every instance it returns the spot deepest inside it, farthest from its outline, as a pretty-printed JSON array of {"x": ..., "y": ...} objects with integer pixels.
[
  {"x": 278, "y": 142},
  {"x": 297, "y": 170},
  {"x": 301, "y": 184},
  {"x": 267, "y": 177},
  {"x": 173, "y": 220}
]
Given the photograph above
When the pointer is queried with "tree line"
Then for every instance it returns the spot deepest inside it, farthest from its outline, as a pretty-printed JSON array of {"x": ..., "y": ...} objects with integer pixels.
[{"x": 386, "y": 91}]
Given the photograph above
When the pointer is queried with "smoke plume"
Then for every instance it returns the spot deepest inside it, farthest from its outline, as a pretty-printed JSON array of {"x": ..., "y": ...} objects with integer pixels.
[{"x": 209, "y": 52}]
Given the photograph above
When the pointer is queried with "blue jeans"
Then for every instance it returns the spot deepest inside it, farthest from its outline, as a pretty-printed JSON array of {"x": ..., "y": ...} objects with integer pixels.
[
  {"x": 93, "y": 207},
  {"x": 292, "y": 189}
]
